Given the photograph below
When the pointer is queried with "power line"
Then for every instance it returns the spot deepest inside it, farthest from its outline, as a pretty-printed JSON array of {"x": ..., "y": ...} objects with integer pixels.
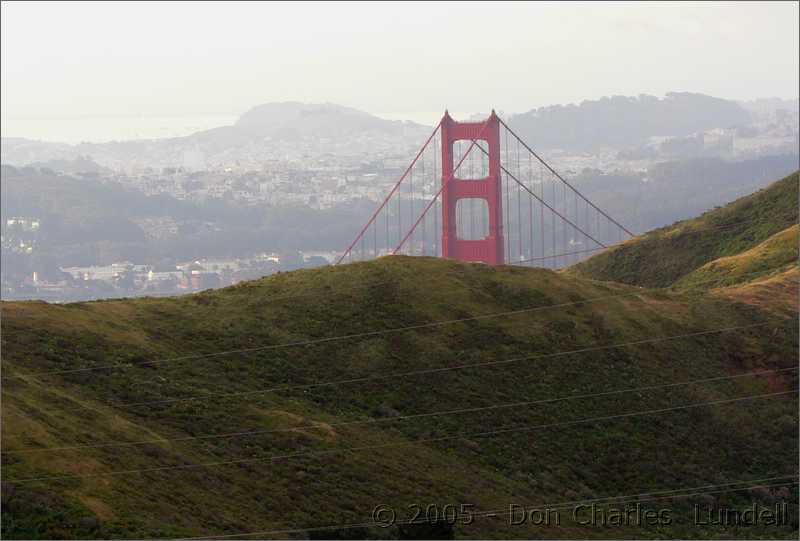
[
  {"x": 442, "y": 323},
  {"x": 338, "y": 289},
  {"x": 331, "y": 338},
  {"x": 660, "y": 494},
  {"x": 400, "y": 418},
  {"x": 657, "y": 495},
  {"x": 426, "y": 371},
  {"x": 343, "y": 337},
  {"x": 405, "y": 443}
]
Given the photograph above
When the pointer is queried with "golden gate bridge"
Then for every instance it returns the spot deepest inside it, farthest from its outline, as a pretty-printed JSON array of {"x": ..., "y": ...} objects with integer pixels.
[{"x": 475, "y": 191}]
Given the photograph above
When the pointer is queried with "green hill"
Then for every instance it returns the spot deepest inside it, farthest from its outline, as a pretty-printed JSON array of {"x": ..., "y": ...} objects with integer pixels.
[
  {"x": 774, "y": 291},
  {"x": 776, "y": 254},
  {"x": 663, "y": 257},
  {"x": 400, "y": 382}
]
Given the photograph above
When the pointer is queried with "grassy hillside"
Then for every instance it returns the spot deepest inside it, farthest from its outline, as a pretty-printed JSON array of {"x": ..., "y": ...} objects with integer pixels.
[
  {"x": 771, "y": 292},
  {"x": 662, "y": 257},
  {"x": 108, "y": 376},
  {"x": 774, "y": 255}
]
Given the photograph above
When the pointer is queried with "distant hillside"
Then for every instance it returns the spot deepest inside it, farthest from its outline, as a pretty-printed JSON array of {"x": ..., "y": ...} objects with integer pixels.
[
  {"x": 623, "y": 121},
  {"x": 294, "y": 119},
  {"x": 21, "y": 151},
  {"x": 774, "y": 255},
  {"x": 82, "y": 166},
  {"x": 454, "y": 384},
  {"x": 662, "y": 257},
  {"x": 279, "y": 122},
  {"x": 776, "y": 292},
  {"x": 289, "y": 121}
]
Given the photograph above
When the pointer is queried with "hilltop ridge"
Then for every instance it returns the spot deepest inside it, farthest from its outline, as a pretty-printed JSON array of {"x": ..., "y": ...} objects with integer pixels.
[
  {"x": 323, "y": 119},
  {"x": 626, "y": 121}
]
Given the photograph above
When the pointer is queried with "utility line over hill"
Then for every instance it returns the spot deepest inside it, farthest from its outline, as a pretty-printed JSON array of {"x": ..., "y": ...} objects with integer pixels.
[
  {"x": 677, "y": 493},
  {"x": 326, "y": 425},
  {"x": 340, "y": 337},
  {"x": 495, "y": 432}
]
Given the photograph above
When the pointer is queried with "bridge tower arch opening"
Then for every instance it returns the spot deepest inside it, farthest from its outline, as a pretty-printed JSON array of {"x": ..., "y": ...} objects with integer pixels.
[{"x": 489, "y": 189}]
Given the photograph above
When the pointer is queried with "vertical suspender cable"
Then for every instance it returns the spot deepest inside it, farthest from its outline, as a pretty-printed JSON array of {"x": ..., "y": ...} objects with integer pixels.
[
  {"x": 553, "y": 223},
  {"x": 567, "y": 238},
  {"x": 438, "y": 193},
  {"x": 436, "y": 149},
  {"x": 531, "y": 255},
  {"x": 567, "y": 184},
  {"x": 422, "y": 189},
  {"x": 387, "y": 200},
  {"x": 507, "y": 209},
  {"x": 587, "y": 219},
  {"x": 399, "y": 213},
  {"x": 519, "y": 208},
  {"x": 411, "y": 190},
  {"x": 386, "y": 221},
  {"x": 541, "y": 210}
]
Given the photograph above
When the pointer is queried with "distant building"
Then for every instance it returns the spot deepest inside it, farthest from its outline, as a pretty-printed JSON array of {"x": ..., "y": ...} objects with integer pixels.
[{"x": 197, "y": 280}]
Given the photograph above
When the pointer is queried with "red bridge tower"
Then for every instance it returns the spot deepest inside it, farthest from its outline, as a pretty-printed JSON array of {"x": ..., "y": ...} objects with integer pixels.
[{"x": 489, "y": 249}]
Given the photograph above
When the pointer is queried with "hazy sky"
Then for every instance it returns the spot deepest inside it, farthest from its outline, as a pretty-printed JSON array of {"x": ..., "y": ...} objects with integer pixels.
[{"x": 66, "y": 60}]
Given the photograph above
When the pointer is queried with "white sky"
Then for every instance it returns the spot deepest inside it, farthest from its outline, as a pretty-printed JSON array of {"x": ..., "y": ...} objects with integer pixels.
[{"x": 67, "y": 60}]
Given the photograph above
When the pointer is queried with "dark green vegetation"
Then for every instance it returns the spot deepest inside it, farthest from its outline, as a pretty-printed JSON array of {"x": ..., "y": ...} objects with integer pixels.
[
  {"x": 136, "y": 423},
  {"x": 664, "y": 256}
]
